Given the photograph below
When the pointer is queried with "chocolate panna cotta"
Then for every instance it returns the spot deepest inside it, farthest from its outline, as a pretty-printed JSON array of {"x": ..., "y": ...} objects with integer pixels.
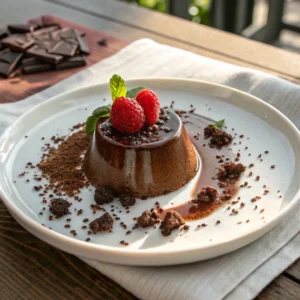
[
  {"x": 147, "y": 161},
  {"x": 156, "y": 160}
]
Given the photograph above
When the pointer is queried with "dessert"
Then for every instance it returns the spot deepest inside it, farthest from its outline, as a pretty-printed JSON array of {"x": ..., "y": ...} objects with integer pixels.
[{"x": 145, "y": 153}]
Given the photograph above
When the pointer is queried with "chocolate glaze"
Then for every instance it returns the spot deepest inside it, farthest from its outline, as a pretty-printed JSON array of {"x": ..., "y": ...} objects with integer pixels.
[{"x": 143, "y": 139}]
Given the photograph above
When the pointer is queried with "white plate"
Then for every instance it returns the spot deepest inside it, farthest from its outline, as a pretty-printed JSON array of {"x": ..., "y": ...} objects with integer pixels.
[{"x": 266, "y": 128}]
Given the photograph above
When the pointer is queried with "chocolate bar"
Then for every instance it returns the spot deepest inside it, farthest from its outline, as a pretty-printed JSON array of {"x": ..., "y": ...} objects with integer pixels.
[
  {"x": 84, "y": 48},
  {"x": 37, "y": 68},
  {"x": 64, "y": 48},
  {"x": 22, "y": 28},
  {"x": 42, "y": 53},
  {"x": 73, "y": 62},
  {"x": 18, "y": 42},
  {"x": 9, "y": 61}
]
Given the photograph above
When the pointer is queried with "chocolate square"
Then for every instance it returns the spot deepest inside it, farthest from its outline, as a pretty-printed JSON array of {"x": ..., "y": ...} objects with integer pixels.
[
  {"x": 64, "y": 48},
  {"x": 43, "y": 54},
  {"x": 73, "y": 62},
  {"x": 18, "y": 42},
  {"x": 22, "y": 28}
]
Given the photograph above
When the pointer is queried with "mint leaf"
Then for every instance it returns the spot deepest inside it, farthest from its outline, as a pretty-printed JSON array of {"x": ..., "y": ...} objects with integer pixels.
[
  {"x": 219, "y": 124},
  {"x": 132, "y": 93},
  {"x": 117, "y": 87},
  {"x": 102, "y": 111},
  {"x": 91, "y": 122}
]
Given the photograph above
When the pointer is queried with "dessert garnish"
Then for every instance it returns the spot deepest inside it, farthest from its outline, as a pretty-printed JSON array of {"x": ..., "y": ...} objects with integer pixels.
[
  {"x": 131, "y": 157},
  {"x": 126, "y": 114},
  {"x": 218, "y": 137}
]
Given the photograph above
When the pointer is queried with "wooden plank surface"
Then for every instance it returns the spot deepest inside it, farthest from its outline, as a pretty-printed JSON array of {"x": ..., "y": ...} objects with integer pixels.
[
  {"x": 23, "y": 258},
  {"x": 192, "y": 34}
]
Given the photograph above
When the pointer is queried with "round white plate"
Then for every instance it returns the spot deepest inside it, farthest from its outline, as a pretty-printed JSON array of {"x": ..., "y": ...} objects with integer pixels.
[{"x": 264, "y": 128}]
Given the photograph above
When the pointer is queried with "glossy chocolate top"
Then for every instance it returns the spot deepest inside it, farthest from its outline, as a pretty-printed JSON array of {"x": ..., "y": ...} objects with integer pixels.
[{"x": 166, "y": 128}]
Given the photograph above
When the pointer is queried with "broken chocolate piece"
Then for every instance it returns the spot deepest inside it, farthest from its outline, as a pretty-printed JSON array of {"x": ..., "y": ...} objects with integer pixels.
[
  {"x": 171, "y": 221},
  {"x": 83, "y": 46},
  {"x": 73, "y": 62},
  {"x": 42, "y": 53},
  {"x": 22, "y": 28},
  {"x": 8, "y": 62},
  {"x": 18, "y": 42},
  {"x": 104, "y": 223},
  {"x": 64, "y": 48}
]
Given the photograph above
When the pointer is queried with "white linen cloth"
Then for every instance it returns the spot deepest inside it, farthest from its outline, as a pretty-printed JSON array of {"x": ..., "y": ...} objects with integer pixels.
[{"x": 241, "y": 274}]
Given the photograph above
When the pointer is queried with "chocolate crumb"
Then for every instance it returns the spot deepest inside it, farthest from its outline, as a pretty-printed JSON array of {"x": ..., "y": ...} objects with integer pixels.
[
  {"x": 104, "y": 194},
  {"x": 207, "y": 194},
  {"x": 59, "y": 207},
  {"x": 171, "y": 221},
  {"x": 148, "y": 219},
  {"x": 127, "y": 200},
  {"x": 104, "y": 223}
]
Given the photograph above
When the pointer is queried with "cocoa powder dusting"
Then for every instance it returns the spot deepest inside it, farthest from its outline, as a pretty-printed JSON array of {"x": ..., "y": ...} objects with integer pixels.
[{"x": 62, "y": 165}]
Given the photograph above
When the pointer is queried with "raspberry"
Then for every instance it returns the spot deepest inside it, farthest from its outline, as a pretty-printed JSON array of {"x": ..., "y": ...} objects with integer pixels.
[
  {"x": 126, "y": 115},
  {"x": 150, "y": 103}
]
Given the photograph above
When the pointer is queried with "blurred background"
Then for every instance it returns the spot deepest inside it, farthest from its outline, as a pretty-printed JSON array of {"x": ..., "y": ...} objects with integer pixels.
[{"x": 276, "y": 22}]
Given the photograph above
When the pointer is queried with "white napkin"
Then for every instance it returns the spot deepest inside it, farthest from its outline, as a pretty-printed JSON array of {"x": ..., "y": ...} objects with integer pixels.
[{"x": 241, "y": 274}]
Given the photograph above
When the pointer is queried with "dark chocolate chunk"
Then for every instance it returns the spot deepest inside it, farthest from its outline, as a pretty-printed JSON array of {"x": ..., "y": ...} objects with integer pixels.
[
  {"x": 22, "y": 28},
  {"x": 42, "y": 53},
  {"x": 41, "y": 33},
  {"x": 68, "y": 33},
  {"x": 64, "y": 48},
  {"x": 30, "y": 69},
  {"x": 73, "y": 62},
  {"x": 103, "y": 42},
  {"x": 9, "y": 56},
  {"x": 9, "y": 63},
  {"x": 83, "y": 46},
  {"x": 29, "y": 61},
  {"x": 18, "y": 42}
]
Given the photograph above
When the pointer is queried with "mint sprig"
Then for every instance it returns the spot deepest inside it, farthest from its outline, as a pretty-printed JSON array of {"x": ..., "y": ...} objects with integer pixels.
[
  {"x": 91, "y": 122},
  {"x": 117, "y": 87},
  {"x": 133, "y": 92},
  {"x": 219, "y": 124}
]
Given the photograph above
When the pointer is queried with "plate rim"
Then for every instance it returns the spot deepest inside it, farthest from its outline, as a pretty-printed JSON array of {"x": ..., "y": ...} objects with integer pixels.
[{"x": 59, "y": 238}]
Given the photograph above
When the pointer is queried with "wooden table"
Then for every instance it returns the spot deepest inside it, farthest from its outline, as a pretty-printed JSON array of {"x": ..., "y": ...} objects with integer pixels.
[{"x": 31, "y": 269}]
